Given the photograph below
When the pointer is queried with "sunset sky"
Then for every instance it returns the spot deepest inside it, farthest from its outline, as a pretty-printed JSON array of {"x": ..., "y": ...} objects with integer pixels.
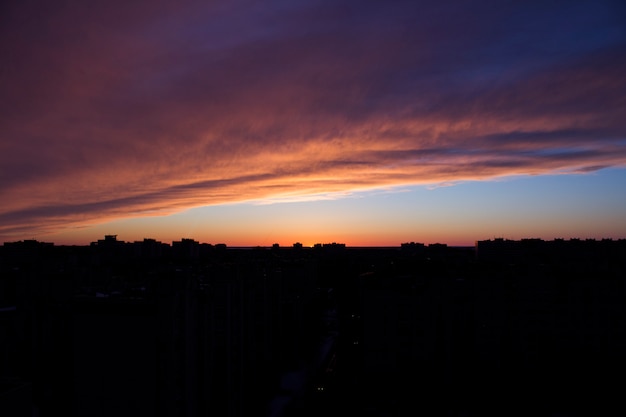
[{"x": 363, "y": 122}]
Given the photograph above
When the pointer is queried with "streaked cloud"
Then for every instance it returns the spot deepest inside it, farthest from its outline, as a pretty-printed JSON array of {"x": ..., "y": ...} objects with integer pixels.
[{"x": 115, "y": 109}]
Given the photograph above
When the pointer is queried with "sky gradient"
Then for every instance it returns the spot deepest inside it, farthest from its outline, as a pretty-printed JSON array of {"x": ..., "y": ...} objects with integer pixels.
[{"x": 369, "y": 123}]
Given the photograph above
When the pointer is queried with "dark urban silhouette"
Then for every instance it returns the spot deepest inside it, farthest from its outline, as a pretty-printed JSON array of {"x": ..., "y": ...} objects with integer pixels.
[{"x": 522, "y": 328}]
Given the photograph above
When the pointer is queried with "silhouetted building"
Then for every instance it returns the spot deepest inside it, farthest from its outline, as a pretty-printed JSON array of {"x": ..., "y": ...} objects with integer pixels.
[
  {"x": 186, "y": 249},
  {"x": 143, "y": 328}
]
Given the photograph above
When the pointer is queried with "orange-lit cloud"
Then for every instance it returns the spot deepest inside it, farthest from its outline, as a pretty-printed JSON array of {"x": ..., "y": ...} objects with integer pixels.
[{"x": 112, "y": 112}]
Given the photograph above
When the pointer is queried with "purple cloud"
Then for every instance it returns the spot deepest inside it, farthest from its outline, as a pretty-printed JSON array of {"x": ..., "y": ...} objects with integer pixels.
[{"x": 111, "y": 109}]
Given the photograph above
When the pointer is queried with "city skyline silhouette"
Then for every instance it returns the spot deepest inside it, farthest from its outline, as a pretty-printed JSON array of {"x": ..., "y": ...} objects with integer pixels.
[{"x": 190, "y": 329}]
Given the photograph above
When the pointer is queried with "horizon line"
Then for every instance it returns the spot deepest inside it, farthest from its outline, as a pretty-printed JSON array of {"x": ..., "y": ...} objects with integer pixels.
[{"x": 113, "y": 239}]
